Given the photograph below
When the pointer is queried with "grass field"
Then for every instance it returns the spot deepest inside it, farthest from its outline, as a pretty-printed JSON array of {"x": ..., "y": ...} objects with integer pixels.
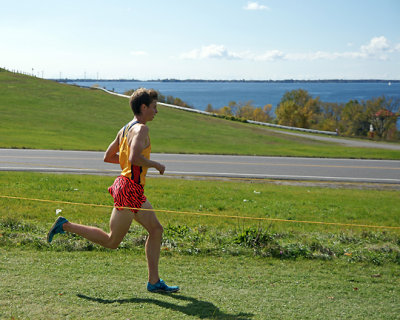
[
  {"x": 111, "y": 285},
  {"x": 43, "y": 114},
  {"x": 227, "y": 268}
]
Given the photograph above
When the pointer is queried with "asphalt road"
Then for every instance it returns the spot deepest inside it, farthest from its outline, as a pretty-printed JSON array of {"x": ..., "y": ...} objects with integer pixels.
[{"x": 285, "y": 168}]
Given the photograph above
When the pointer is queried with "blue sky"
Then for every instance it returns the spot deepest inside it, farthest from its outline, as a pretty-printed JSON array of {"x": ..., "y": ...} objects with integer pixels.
[{"x": 203, "y": 39}]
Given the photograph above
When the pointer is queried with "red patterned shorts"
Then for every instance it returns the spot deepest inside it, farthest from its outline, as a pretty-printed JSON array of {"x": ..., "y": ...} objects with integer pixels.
[{"x": 126, "y": 193}]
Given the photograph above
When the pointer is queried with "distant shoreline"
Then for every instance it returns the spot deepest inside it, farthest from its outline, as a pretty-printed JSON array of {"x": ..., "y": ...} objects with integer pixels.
[{"x": 233, "y": 81}]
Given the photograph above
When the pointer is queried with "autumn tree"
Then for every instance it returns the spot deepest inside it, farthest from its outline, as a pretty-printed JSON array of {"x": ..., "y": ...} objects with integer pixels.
[
  {"x": 329, "y": 118},
  {"x": 268, "y": 112},
  {"x": 245, "y": 110},
  {"x": 383, "y": 114},
  {"x": 225, "y": 111},
  {"x": 298, "y": 109}
]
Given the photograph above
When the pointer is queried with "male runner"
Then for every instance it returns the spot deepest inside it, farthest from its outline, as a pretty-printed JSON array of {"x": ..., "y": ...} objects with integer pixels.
[{"x": 131, "y": 149}]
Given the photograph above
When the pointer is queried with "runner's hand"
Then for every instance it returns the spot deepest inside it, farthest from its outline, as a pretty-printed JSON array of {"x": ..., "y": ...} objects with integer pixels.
[{"x": 161, "y": 168}]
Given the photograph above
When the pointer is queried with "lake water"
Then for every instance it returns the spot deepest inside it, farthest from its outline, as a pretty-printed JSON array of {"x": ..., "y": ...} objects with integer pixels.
[{"x": 219, "y": 94}]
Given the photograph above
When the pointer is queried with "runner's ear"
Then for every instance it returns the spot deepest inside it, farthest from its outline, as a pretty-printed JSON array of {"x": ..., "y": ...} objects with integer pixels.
[{"x": 142, "y": 108}]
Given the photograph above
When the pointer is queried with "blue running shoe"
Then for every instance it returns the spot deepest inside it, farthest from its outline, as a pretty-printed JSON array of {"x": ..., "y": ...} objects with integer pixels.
[
  {"x": 56, "y": 228},
  {"x": 161, "y": 286}
]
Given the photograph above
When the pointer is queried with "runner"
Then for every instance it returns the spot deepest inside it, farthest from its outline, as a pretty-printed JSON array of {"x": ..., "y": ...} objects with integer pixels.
[{"x": 131, "y": 149}]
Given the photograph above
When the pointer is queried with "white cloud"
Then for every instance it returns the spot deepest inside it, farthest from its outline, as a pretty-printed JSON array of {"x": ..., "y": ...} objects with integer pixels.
[
  {"x": 377, "y": 48},
  {"x": 377, "y": 44},
  {"x": 211, "y": 51},
  {"x": 255, "y": 6},
  {"x": 271, "y": 55}
]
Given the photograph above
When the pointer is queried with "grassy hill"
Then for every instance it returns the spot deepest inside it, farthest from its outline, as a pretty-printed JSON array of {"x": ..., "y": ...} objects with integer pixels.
[{"x": 43, "y": 114}]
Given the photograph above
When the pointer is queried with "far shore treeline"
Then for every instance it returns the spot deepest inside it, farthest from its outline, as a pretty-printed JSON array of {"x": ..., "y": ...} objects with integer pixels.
[{"x": 375, "y": 118}]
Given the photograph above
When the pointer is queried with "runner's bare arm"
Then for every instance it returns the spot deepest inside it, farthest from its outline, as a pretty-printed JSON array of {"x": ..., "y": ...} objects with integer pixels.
[
  {"x": 111, "y": 155},
  {"x": 138, "y": 145}
]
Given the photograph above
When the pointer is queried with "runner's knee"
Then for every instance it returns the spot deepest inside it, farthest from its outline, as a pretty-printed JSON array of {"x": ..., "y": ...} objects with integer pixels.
[
  {"x": 113, "y": 244},
  {"x": 156, "y": 230}
]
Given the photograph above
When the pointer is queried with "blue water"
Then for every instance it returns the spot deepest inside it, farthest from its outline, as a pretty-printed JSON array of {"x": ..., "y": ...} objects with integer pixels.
[{"x": 219, "y": 94}]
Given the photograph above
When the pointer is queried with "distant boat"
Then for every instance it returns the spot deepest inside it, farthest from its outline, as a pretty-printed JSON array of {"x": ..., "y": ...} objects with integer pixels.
[{"x": 389, "y": 84}]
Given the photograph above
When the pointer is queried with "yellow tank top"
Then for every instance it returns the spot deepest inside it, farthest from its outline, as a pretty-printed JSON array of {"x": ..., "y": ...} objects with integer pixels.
[{"x": 136, "y": 173}]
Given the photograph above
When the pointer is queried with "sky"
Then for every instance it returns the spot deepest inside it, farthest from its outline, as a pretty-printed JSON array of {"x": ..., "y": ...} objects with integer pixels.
[{"x": 203, "y": 39}]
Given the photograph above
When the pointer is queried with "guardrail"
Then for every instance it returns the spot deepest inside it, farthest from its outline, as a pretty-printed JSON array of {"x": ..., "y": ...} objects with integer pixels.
[
  {"x": 213, "y": 114},
  {"x": 292, "y": 128}
]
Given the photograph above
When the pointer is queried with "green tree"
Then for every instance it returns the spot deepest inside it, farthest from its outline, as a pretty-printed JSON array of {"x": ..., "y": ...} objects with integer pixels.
[
  {"x": 354, "y": 119},
  {"x": 299, "y": 97}
]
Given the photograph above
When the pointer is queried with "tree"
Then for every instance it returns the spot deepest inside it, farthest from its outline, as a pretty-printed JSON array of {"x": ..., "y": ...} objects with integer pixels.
[
  {"x": 298, "y": 109},
  {"x": 268, "y": 112},
  {"x": 329, "y": 118},
  {"x": 383, "y": 116},
  {"x": 259, "y": 115},
  {"x": 245, "y": 111},
  {"x": 354, "y": 119},
  {"x": 286, "y": 113},
  {"x": 225, "y": 111},
  {"x": 384, "y": 121},
  {"x": 299, "y": 97},
  {"x": 233, "y": 107},
  {"x": 210, "y": 108}
]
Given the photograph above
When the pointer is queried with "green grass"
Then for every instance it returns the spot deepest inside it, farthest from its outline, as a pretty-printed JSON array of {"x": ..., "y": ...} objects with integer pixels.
[
  {"x": 43, "y": 114},
  {"x": 25, "y": 222},
  {"x": 227, "y": 268},
  {"x": 262, "y": 200},
  {"x": 111, "y": 285}
]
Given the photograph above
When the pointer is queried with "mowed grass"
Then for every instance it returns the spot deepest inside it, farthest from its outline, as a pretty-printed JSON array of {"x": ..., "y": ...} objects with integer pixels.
[
  {"x": 42, "y": 114},
  {"x": 111, "y": 285},
  {"x": 321, "y": 272},
  {"x": 220, "y": 198}
]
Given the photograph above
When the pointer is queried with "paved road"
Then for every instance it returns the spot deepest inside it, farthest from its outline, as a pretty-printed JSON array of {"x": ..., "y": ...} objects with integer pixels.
[{"x": 286, "y": 168}]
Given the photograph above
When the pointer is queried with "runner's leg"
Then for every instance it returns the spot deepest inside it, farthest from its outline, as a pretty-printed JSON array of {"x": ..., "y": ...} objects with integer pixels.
[
  {"x": 148, "y": 219},
  {"x": 120, "y": 222}
]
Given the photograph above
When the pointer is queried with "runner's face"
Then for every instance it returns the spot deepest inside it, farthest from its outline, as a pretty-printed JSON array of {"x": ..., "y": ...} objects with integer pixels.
[{"x": 151, "y": 110}]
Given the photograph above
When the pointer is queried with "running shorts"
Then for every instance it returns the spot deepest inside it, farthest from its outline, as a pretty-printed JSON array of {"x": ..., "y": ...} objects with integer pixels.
[{"x": 127, "y": 193}]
